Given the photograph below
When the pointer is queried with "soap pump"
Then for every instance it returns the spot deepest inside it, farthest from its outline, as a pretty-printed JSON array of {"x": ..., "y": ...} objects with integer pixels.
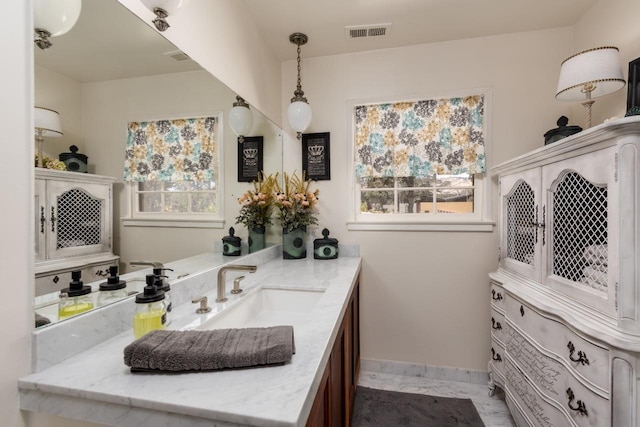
[
  {"x": 151, "y": 310},
  {"x": 113, "y": 289},
  {"x": 163, "y": 285},
  {"x": 76, "y": 298}
]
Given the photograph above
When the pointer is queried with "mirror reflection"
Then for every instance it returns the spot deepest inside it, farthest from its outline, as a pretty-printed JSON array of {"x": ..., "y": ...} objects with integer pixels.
[{"x": 99, "y": 79}]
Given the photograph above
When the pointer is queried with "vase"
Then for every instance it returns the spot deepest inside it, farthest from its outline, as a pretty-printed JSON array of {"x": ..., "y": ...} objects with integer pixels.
[
  {"x": 257, "y": 238},
  {"x": 294, "y": 243}
]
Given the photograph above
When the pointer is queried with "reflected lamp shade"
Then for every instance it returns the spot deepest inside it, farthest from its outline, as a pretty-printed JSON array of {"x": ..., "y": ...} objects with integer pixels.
[
  {"x": 240, "y": 117},
  {"x": 599, "y": 69},
  {"x": 299, "y": 115},
  {"x": 46, "y": 124},
  {"x": 56, "y": 16}
]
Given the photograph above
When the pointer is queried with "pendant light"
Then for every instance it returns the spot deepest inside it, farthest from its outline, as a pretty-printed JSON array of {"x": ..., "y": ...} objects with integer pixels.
[
  {"x": 299, "y": 111},
  {"x": 163, "y": 9},
  {"x": 240, "y": 119},
  {"x": 53, "y": 18}
]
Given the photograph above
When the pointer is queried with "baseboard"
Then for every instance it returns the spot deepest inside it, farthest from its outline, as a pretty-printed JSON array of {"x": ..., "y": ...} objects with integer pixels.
[{"x": 417, "y": 370}]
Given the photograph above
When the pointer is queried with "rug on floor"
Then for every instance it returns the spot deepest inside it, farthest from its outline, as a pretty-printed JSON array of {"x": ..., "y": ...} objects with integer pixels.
[{"x": 382, "y": 408}]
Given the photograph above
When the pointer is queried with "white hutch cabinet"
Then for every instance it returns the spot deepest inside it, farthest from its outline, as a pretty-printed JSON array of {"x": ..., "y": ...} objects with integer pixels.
[
  {"x": 73, "y": 228},
  {"x": 565, "y": 300}
]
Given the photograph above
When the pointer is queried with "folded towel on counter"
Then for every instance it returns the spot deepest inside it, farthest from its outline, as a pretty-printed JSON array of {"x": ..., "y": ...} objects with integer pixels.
[
  {"x": 181, "y": 351},
  {"x": 41, "y": 320},
  {"x": 596, "y": 254}
]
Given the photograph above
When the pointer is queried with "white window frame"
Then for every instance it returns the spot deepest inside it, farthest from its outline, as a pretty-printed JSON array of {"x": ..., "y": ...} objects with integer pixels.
[
  {"x": 479, "y": 220},
  {"x": 187, "y": 220}
]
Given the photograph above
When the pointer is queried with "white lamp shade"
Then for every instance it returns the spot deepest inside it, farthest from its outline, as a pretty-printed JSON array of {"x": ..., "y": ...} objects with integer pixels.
[
  {"x": 299, "y": 115},
  {"x": 600, "y": 66},
  {"x": 170, "y": 6},
  {"x": 47, "y": 122},
  {"x": 241, "y": 120},
  {"x": 56, "y": 16}
]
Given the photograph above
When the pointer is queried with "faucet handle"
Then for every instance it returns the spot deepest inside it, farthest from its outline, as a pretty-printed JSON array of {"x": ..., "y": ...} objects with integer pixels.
[
  {"x": 236, "y": 285},
  {"x": 204, "y": 308}
]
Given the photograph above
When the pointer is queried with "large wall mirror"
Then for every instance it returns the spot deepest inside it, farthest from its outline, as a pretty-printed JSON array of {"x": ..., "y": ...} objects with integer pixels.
[{"x": 112, "y": 68}]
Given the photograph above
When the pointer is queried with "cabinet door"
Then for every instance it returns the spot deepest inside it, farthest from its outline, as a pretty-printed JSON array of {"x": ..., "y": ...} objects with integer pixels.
[
  {"x": 79, "y": 216},
  {"x": 521, "y": 214},
  {"x": 40, "y": 220},
  {"x": 581, "y": 250}
]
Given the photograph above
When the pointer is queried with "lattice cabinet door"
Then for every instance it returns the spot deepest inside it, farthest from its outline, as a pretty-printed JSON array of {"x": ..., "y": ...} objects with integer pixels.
[
  {"x": 79, "y": 219},
  {"x": 521, "y": 216},
  {"x": 582, "y": 228}
]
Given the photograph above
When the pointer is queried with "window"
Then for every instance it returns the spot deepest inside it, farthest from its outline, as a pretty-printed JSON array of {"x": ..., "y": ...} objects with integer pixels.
[
  {"x": 172, "y": 168},
  {"x": 420, "y": 163}
]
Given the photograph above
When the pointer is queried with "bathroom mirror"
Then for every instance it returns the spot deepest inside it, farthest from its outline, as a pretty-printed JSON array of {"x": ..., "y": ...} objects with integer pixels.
[{"x": 112, "y": 68}]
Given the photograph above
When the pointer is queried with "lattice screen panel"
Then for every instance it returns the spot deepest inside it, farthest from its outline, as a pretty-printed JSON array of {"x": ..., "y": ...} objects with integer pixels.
[
  {"x": 79, "y": 219},
  {"x": 580, "y": 231},
  {"x": 521, "y": 228}
]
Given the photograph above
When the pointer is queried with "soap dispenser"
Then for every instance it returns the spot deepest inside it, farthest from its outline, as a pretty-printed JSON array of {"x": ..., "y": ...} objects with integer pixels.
[
  {"x": 113, "y": 289},
  {"x": 161, "y": 284},
  {"x": 151, "y": 310},
  {"x": 76, "y": 298}
]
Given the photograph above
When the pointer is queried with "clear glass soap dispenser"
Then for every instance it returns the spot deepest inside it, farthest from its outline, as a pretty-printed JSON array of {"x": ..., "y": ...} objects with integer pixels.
[
  {"x": 113, "y": 289},
  {"x": 76, "y": 298},
  {"x": 151, "y": 310}
]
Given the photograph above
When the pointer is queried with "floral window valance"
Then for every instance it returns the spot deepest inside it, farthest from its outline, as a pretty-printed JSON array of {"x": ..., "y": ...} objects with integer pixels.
[
  {"x": 420, "y": 138},
  {"x": 172, "y": 150}
]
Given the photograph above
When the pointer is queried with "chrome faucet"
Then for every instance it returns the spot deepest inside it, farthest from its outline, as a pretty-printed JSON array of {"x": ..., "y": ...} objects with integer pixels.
[
  {"x": 154, "y": 264},
  {"x": 221, "y": 278}
]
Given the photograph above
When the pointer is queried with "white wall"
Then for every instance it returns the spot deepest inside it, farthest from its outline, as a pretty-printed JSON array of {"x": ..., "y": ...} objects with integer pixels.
[{"x": 425, "y": 295}]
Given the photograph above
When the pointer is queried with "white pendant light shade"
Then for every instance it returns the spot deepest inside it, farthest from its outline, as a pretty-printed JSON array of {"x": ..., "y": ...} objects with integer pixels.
[
  {"x": 299, "y": 115},
  {"x": 172, "y": 7},
  {"x": 240, "y": 118},
  {"x": 56, "y": 16}
]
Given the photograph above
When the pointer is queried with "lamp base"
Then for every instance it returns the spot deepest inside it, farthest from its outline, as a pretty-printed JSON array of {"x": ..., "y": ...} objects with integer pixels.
[
  {"x": 40, "y": 140},
  {"x": 587, "y": 114}
]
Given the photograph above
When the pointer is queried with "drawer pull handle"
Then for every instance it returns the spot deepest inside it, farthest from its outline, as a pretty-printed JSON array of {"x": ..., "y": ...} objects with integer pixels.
[
  {"x": 496, "y": 296},
  {"x": 43, "y": 219},
  {"x": 522, "y": 311},
  {"x": 495, "y": 356},
  {"x": 56, "y": 279},
  {"x": 582, "y": 357},
  {"x": 101, "y": 273},
  {"x": 53, "y": 218},
  {"x": 580, "y": 406},
  {"x": 495, "y": 325}
]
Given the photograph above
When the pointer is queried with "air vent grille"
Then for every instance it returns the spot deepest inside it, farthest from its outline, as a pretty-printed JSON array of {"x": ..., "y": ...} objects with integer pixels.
[
  {"x": 178, "y": 55},
  {"x": 363, "y": 31}
]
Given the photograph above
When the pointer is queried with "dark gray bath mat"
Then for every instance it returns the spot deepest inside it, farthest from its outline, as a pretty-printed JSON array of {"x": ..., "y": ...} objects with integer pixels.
[{"x": 380, "y": 408}]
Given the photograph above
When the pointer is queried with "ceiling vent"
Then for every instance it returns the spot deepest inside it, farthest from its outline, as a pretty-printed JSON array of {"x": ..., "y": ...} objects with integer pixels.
[
  {"x": 362, "y": 31},
  {"x": 178, "y": 55}
]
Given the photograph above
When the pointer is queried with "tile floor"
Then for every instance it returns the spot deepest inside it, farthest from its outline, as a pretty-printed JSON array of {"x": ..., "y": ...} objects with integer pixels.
[{"x": 492, "y": 410}]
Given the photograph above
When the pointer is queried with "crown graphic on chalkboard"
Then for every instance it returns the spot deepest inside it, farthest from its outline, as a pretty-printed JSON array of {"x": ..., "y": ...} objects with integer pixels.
[
  {"x": 315, "y": 150},
  {"x": 250, "y": 153}
]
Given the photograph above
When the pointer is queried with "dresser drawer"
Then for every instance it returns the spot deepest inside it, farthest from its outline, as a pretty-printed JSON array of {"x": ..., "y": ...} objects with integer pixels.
[
  {"x": 497, "y": 356},
  {"x": 60, "y": 279},
  {"x": 587, "y": 359},
  {"x": 497, "y": 326},
  {"x": 555, "y": 381},
  {"x": 497, "y": 297}
]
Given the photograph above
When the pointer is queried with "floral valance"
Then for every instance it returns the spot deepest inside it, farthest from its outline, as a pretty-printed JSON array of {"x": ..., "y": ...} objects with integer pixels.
[
  {"x": 420, "y": 138},
  {"x": 172, "y": 150}
]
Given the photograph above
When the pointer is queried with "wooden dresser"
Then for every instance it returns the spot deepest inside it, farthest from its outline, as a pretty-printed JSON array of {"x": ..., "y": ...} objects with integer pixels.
[{"x": 565, "y": 299}]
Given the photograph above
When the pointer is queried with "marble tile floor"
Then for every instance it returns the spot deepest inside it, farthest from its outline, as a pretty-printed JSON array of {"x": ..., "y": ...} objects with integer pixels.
[{"x": 492, "y": 410}]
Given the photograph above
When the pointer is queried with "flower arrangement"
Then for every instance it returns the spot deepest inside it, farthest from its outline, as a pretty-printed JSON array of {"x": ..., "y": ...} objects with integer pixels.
[
  {"x": 257, "y": 203},
  {"x": 51, "y": 163},
  {"x": 295, "y": 203}
]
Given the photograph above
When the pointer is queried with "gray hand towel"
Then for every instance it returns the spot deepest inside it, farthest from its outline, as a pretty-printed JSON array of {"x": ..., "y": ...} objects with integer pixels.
[
  {"x": 41, "y": 320},
  {"x": 179, "y": 351}
]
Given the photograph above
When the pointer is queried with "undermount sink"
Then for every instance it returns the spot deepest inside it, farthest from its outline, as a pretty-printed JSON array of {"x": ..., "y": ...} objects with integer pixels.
[{"x": 268, "y": 307}]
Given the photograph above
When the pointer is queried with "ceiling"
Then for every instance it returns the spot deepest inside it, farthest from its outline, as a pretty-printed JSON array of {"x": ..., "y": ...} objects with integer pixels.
[{"x": 96, "y": 50}]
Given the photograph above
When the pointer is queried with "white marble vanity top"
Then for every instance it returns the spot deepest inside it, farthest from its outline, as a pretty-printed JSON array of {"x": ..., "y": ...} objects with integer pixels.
[{"x": 95, "y": 385}]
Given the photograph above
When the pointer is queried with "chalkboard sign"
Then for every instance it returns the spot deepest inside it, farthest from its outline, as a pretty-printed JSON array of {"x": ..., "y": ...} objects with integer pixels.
[
  {"x": 316, "y": 156},
  {"x": 250, "y": 157}
]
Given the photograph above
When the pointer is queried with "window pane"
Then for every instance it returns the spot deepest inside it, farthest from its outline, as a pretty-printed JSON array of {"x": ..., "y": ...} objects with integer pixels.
[
  {"x": 386, "y": 182},
  {"x": 376, "y": 201},
  {"x": 455, "y": 201},
  {"x": 149, "y": 202},
  {"x": 411, "y": 181},
  {"x": 203, "y": 202},
  {"x": 462, "y": 180},
  {"x": 203, "y": 185},
  {"x": 176, "y": 202},
  {"x": 149, "y": 186},
  {"x": 179, "y": 186},
  {"x": 415, "y": 201}
]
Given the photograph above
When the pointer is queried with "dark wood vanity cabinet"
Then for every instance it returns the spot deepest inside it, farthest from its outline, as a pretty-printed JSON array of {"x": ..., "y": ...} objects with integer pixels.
[{"x": 334, "y": 400}]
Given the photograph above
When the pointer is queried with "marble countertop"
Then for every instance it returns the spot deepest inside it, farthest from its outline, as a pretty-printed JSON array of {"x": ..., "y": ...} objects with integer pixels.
[{"x": 95, "y": 385}]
